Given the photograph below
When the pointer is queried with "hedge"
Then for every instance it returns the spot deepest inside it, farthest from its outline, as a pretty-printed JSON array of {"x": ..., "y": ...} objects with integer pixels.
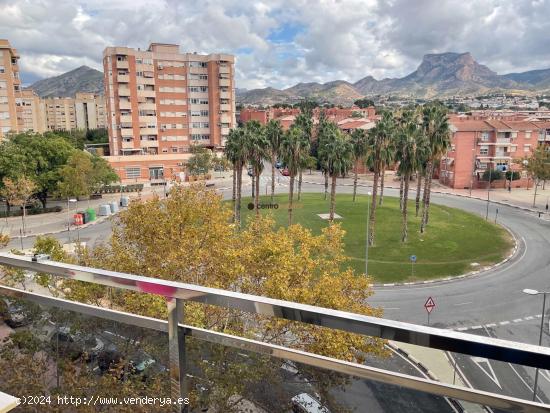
[
  {"x": 113, "y": 189},
  {"x": 32, "y": 211}
]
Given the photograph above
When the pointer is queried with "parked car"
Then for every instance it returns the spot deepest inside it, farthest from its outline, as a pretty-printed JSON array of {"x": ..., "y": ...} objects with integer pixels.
[
  {"x": 286, "y": 172},
  {"x": 305, "y": 403},
  {"x": 75, "y": 345},
  {"x": 139, "y": 363},
  {"x": 15, "y": 313},
  {"x": 278, "y": 164}
]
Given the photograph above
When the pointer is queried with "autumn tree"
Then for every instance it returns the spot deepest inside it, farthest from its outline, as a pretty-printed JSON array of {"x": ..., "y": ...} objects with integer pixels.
[
  {"x": 263, "y": 259},
  {"x": 18, "y": 192}
]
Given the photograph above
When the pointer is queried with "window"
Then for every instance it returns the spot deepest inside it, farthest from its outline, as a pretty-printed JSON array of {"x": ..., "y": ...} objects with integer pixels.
[
  {"x": 528, "y": 134},
  {"x": 195, "y": 113},
  {"x": 200, "y": 137},
  {"x": 484, "y": 150},
  {"x": 197, "y": 64},
  {"x": 133, "y": 172},
  {"x": 2, "y": 69},
  {"x": 174, "y": 149},
  {"x": 485, "y": 136},
  {"x": 526, "y": 148},
  {"x": 204, "y": 113}
]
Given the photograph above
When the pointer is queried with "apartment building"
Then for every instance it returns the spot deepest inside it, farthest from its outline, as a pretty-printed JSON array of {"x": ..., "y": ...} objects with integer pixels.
[
  {"x": 90, "y": 111},
  {"x": 160, "y": 102},
  {"x": 60, "y": 113},
  {"x": 10, "y": 86},
  {"x": 30, "y": 112},
  {"x": 478, "y": 145}
]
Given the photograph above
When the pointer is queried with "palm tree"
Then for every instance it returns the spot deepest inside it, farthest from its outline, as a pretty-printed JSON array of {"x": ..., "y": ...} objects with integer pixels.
[
  {"x": 378, "y": 154},
  {"x": 274, "y": 133},
  {"x": 411, "y": 150},
  {"x": 359, "y": 144},
  {"x": 235, "y": 151},
  {"x": 304, "y": 121},
  {"x": 339, "y": 160},
  {"x": 293, "y": 150},
  {"x": 257, "y": 150},
  {"x": 435, "y": 126},
  {"x": 321, "y": 137}
]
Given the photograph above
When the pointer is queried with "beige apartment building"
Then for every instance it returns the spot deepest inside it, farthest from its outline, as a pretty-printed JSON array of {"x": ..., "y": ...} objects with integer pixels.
[
  {"x": 60, "y": 113},
  {"x": 30, "y": 113},
  {"x": 160, "y": 102},
  {"x": 10, "y": 86},
  {"x": 90, "y": 111}
]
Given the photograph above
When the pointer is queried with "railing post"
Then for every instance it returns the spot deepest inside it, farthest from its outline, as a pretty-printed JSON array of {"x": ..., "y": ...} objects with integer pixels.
[{"x": 176, "y": 353}]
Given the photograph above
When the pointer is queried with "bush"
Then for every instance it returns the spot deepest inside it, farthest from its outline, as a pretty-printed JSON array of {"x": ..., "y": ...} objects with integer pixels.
[
  {"x": 494, "y": 174},
  {"x": 31, "y": 211},
  {"x": 515, "y": 175},
  {"x": 113, "y": 189}
]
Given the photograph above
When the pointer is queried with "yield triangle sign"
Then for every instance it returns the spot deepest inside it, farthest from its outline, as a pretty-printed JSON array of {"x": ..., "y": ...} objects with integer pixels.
[{"x": 429, "y": 304}]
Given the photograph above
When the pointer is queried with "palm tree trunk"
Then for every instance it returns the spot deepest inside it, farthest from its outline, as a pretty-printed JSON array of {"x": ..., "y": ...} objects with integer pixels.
[
  {"x": 373, "y": 208},
  {"x": 426, "y": 204},
  {"x": 253, "y": 185},
  {"x": 382, "y": 186},
  {"x": 234, "y": 195},
  {"x": 239, "y": 194},
  {"x": 404, "y": 233},
  {"x": 401, "y": 183},
  {"x": 257, "y": 193},
  {"x": 355, "y": 180},
  {"x": 273, "y": 160},
  {"x": 332, "y": 198},
  {"x": 290, "y": 199},
  {"x": 326, "y": 185},
  {"x": 418, "y": 190},
  {"x": 300, "y": 185}
]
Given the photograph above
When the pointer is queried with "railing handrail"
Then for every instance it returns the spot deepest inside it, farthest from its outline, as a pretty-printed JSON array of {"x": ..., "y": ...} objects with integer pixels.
[{"x": 442, "y": 339}]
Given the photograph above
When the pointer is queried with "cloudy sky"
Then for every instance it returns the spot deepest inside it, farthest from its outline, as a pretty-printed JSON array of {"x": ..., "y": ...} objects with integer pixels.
[{"x": 281, "y": 42}]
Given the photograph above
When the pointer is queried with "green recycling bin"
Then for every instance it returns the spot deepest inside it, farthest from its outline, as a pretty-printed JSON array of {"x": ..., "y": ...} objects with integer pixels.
[{"x": 91, "y": 214}]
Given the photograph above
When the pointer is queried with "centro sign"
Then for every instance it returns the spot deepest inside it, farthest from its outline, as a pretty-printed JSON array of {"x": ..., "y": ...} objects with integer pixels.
[{"x": 263, "y": 206}]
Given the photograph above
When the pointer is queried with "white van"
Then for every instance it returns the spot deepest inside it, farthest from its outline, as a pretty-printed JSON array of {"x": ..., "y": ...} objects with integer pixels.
[{"x": 305, "y": 403}]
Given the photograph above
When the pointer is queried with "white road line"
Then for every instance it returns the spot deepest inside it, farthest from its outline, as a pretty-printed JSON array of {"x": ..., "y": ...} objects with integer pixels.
[
  {"x": 503, "y": 323},
  {"x": 391, "y": 308},
  {"x": 529, "y": 318},
  {"x": 517, "y": 320},
  {"x": 467, "y": 302},
  {"x": 476, "y": 327},
  {"x": 538, "y": 316},
  {"x": 462, "y": 329},
  {"x": 490, "y": 325}
]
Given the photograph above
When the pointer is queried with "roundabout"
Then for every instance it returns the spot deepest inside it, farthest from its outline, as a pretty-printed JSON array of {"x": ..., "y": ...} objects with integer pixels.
[{"x": 455, "y": 243}]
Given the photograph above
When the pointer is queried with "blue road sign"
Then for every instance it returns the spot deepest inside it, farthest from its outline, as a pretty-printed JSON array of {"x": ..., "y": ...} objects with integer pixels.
[{"x": 413, "y": 258}]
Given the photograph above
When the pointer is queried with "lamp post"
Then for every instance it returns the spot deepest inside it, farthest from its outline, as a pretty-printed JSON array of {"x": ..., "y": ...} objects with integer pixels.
[
  {"x": 488, "y": 190},
  {"x": 535, "y": 292},
  {"x": 473, "y": 169},
  {"x": 367, "y": 243}
]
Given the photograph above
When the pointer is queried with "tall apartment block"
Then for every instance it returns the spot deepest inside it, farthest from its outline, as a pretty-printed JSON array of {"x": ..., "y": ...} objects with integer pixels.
[
  {"x": 90, "y": 111},
  {"x": 60, "y": 113},
  {"x": 10, "y": 86},
  {"x": 160, "y": 102}
]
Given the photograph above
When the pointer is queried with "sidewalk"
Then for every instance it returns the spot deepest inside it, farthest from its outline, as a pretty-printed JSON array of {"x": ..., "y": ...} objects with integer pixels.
[{"x": 437, "y": 366}]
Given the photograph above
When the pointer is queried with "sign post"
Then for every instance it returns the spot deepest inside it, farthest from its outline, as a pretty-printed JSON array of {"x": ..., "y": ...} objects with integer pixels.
[
  {"x": 413, "y": 260},
  {"x": 429, "y": 305}
]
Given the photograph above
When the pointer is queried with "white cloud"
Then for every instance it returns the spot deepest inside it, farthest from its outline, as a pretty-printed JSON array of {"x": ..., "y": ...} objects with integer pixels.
[{"x": 317, "y": 40}]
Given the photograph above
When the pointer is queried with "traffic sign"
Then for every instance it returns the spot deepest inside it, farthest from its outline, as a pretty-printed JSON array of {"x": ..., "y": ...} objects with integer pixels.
[
  {"x": 413, "y": 258},
  {"x": 429, "y": 305}
]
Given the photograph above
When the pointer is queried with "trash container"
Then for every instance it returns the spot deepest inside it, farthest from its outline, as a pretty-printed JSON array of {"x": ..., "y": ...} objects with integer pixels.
[
  {"x": 78, "y": 219},
  {"x": 91, "y": 214},
  {"x": 124, "y": 201},
  {"x": 83, "y": 214},
  {"x": 104, "y": 210},
  {"x": 114, "y": 207}
]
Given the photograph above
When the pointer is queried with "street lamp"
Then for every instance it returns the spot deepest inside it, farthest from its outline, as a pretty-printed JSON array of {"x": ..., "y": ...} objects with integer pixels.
[
  {"x": 489, "y": 189},
  {"x": 535, "y": 292},
  {"x": 367, "y": 244}
]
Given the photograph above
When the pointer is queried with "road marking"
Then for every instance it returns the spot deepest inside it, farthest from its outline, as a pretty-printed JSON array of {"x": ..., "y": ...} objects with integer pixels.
[
  {"x": 476, "y": 327},
  {"x": 517, "y": 320},
  {"x": 391, "y": 308},
  {"x": 466, "y": 303},
  {"x": 490, "y": 325},
  {"x": 503, "y": 323},
  {"x": 529, "y": 318},
  {"x": 462, "y": 329},
  {"x": 488, "y": 370}
]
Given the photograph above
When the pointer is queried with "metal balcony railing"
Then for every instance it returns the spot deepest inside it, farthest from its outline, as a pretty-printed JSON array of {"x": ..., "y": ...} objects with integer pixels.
[{"x": 177, "y": 294}]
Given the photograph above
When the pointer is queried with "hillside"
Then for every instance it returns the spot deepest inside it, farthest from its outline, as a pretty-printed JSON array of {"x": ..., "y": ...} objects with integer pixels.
[
  {"x": 441, "y": 74},
  {"x": 82, "y": 79}
]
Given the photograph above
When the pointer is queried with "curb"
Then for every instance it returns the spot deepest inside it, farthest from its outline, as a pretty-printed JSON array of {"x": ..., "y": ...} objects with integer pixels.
[
  {"x": 455, "y": 403},
  {"x": 97, "y": 221}
]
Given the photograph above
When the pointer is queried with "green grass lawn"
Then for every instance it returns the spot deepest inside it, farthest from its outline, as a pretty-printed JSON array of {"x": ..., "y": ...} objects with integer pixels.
[{"x": 453, "y": 241}]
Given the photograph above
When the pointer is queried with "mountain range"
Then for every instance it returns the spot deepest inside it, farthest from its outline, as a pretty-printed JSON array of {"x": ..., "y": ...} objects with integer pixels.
[
  {"x": 81, "y": 79},
  {"x": 442, "y": 74},
  {"x": 438, "y": 75}
]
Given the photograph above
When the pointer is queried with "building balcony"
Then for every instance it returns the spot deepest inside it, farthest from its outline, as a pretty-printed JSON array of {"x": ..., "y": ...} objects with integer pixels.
[
  {"x": 225, "y": 95},
  {"x": 225, "y": 82},
  {"x": 197, "y": 82},
  {"x": 225, "y": 131},
  {"x": 124, "y": 91},
  {"x": 148, "y": 144},
  {"x": 148, "y": 131},
  {"x": 124, "y": 104},
  {"x": 226, "y": 118},
  {"x": 225, "y": 107},
  {"x": 127, "y": 145},
  {"x": 123, "y": 78},
  {"x": 147, "y": 106},
  {"x": 185, "y": 358},
  {"x": 127, "y": 132},
  {"x": 147, "y": 93},
  {"x": 126, "y": 119},
  {"x": 225, "y": 69},
  {"x": 122, "y": 64}
]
